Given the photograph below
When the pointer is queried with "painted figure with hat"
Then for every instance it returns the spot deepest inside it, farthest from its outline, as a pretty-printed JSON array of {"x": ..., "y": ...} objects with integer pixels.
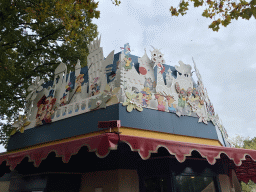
[
  {"x": 41, "y": 111},
  {"x": 45, "y": 109},
  {"x": 160, "y": 100},
  {"x": 79, "y": 81},
  {"x": 95, "y": 86},
  {"x": 146, "y": 96},
  {"x": 171, "y": 105}
]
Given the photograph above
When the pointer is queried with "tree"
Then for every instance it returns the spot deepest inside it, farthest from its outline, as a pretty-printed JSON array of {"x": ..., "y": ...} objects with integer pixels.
[
  {"x": 245, "y": 143},
  {"x": 35, "y": 36},
  {"x": 222, "y": 11}
]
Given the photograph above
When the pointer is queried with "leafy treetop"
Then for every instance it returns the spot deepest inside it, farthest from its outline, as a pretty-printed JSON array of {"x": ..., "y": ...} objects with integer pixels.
[
  {"x": 222, "y": 11},
  {"x": 35, "y": 36}
]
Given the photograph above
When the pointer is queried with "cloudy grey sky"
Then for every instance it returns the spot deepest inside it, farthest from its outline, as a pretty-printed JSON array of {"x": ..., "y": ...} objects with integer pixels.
[{"x": 225, "y": 59}]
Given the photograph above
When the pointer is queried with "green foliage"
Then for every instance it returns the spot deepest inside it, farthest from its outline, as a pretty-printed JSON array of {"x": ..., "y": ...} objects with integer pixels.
[
  {"x": 246, "y": 143},
  {"x": 116, "y": 2},
  {"x": 242, "y": 142},
  {"x": 222, "y": 12},
  {"x": 238, "y": 141},
  {"x": 249, "y": 187},
  {"x": 250, "y": 143},
  {"x": 35, "y": 36}
]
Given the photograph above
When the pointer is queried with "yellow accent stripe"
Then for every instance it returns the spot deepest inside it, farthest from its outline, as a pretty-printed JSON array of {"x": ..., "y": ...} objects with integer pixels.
[
  {"x": 57, "y": 142},
  {"x": 167, "y": 136},
  {"x": 130, "y": 132}
]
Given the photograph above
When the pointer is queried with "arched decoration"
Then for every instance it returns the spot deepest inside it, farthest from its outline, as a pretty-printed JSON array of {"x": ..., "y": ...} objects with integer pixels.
[
  {"x": 100, "y": 144},
  {"x": 242, "y": 160},
  {"x": 181, "y": 150}
]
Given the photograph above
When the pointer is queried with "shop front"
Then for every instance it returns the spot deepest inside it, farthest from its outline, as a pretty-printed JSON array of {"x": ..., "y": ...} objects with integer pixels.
[
  {"x": 123, "y": 123},
  {"x": 116, "y": 162}
]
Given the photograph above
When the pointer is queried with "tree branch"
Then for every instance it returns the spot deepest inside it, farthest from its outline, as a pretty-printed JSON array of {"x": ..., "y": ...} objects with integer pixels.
[
  {"x": 45, "y": 64},
  {"x": 51, "y": 34}
]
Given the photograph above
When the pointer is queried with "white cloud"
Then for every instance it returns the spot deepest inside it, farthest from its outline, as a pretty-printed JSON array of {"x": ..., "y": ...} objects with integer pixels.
[{"x": 225, "y": 59}]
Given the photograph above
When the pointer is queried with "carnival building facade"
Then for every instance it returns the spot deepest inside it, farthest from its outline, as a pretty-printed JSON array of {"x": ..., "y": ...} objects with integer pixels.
[{"x": 124, "y": 123}]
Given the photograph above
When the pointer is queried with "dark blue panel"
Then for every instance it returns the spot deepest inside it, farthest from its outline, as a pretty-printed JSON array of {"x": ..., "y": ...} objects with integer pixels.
[
  {"x": 136, "y": 119},
  {"x": 154, "y": 120},
  {"x": 73, "y": 126},
  {"x": 116, "y": 58},
  {"x": 148, "y": 119}
]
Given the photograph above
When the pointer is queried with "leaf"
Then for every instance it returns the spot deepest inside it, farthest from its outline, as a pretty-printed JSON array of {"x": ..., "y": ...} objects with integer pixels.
[
  {"x": 130, "y": 107},
  {"x": 116, "y": 90},
  {"x": 16, "y": 125},
  {"x": 37, "y": 80},
  {"x": 224, "y": 9},
  {"x": 22, "y": 129},
  {"x": 139, "y": 108},
  {"x": 127, "y": 102},
  {"x": 33, "y": 96},
  {"x": 112, "y": 100},
  {"x": 254, "y": 13},
  {"x": 140, "y": 95},
  {"x": 13, "y": 131},
  {"x": 107, "y": 88},
  {"x": 40, "y": 88},
  {"x": 26, "y": 123},
  {"x": 128, "y": 95},
  {"x": 29, "y": 95},
  {"x": 31, "y": 88}
]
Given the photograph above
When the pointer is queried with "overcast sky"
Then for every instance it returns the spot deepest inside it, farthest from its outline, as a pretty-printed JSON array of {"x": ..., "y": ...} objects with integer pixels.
[{"x": 225, "y": 59}]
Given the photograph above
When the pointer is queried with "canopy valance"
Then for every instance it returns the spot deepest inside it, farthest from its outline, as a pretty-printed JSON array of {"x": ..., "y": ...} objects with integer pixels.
[{"x": 243, "y": 160}]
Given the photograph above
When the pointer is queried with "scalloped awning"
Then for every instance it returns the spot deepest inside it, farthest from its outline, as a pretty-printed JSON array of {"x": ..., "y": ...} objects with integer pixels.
[
  {"x": 242, "y": 159},
  {"x": 100, "y": 144}
]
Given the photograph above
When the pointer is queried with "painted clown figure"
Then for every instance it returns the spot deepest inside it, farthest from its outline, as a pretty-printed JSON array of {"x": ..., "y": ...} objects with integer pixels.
[
  {"x": 126, "y": 49},
  {"x": 158, "y": 60}
]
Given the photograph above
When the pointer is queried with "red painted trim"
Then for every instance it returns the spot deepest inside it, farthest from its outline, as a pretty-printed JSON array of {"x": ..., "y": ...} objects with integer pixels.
[
  {"x": 100, "y": 144},
  {"x": 243, "y": 159},
  {"x": 109, "y": 124}
]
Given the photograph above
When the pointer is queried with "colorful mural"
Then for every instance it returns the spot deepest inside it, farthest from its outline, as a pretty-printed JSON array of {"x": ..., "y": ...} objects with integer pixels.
[
  {"x": 46, "y": 108},
  {"x": 137, "y": 83}
]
